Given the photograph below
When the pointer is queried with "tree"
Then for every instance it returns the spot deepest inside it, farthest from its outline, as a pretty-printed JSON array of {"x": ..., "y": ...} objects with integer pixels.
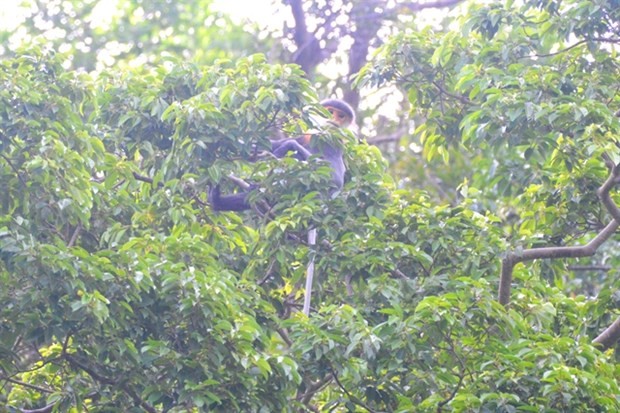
[
  {"x": 541, "y": 102},
  {"x": 124, "y": 291}
]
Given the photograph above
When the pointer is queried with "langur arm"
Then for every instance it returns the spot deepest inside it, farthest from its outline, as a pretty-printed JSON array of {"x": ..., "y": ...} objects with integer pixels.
[{"x": 281, "y": 148}]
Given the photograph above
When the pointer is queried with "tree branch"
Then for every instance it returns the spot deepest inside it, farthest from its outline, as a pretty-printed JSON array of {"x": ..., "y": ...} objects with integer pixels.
[
  {"x": 28, "y": 385},
  {"x": 430, "y": 5},
  {"x": 75, "y": 235},
  {"x": 308, "y": 53},
  {"x": 609, "y": 336},
  {"x": 19, "y": 176},
  {"x": 442, "y": 90},
  {"x": 110, "y": 382},
  {"x": 351, "y": 397},
  {"x": 579, "y": 43},
  {"x": 512, "y": 259},
  {"x": 44, "y": 409},
  {"x": 312, "y": 388},
  {"x": 604, "y": 268}
]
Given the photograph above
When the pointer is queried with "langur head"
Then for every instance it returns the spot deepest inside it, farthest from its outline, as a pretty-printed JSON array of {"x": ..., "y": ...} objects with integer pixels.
[{"x": 342, "y": 114}]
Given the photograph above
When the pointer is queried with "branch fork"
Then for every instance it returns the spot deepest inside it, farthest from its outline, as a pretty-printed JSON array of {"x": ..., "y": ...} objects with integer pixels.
[{"x": 612, "y": 333}]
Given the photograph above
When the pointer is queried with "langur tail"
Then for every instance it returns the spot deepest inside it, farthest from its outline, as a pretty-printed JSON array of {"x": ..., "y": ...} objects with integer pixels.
[{"x": 310, "y": 270}]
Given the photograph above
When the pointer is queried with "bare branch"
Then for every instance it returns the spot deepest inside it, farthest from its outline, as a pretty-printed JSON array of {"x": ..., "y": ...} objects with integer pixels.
[
  {"x": 512, "y": 258},
  {"x": 579, "y": 43},
  {"x": 239, "y": 182},
  {"x": 44, "y": 409},
  {"x": 312, "y": 388},
  {"x": 28, "y": 385},
  {"x": 75, "y": 235},
  {"x": 610, "y": 336},
  {"x": 589, "y": 268},
  {"x": 351, "y": 397},
  {"x": 19, "y": 176},
  {"x": 430, "y": 5},
  {"x": 460, "y": 98},
  {"x": 604, "y": 192},
  {"x": 347, "y": 283}
]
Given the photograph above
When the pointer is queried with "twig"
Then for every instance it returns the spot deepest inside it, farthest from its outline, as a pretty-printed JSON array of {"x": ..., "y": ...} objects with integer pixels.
[
  {"x": 44, "y": 409},
  {"x": 19, "y": 176},
  {"x": 30, "y": 386},
  {"x": 268, "y": 273},
  {"x": 460, "y": 98},
  {"x": 579, "y": 43},
  {"x": 453, "y": 393},
  {"x": 351, "y": 397}
]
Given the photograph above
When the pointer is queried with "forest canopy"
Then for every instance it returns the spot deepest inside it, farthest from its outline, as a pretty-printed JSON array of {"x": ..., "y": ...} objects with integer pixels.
[{"x": 467, "y": 264}]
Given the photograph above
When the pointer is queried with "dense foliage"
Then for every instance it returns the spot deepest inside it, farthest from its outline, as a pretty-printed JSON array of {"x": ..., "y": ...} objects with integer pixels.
[{"x": 123, "y": 291}]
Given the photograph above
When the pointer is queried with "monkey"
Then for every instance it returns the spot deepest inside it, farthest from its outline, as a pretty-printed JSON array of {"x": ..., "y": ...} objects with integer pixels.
[{"x": 342, "y": 115}]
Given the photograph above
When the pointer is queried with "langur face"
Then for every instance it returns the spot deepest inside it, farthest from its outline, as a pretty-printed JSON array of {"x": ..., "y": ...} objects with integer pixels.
[{"x": 338, "y": 117}]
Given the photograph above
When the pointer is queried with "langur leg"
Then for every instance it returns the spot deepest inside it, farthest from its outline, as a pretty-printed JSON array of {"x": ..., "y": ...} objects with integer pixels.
[{"x": 235, "y": 202}]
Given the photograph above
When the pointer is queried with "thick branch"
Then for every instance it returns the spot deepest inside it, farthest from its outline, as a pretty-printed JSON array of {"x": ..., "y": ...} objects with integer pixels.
[
  {"x": 142, "y": 178},
  {"x": 75, "y": 235},
  {"x": 366, "y": 28},
  {"x": 309, "y": 52},
  {"x": 431, "y": 4},
  {"x": 313, "y": 388},
  {"x": 603, "y": 268},
  {"x": 604, "y": 192},
  {"x": 610, "y": 336},
  {"x": 512, "y": 259}
]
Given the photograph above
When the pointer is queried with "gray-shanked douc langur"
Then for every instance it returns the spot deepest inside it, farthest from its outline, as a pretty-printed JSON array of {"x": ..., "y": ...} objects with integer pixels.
[{"x": 302, "y": 148}]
